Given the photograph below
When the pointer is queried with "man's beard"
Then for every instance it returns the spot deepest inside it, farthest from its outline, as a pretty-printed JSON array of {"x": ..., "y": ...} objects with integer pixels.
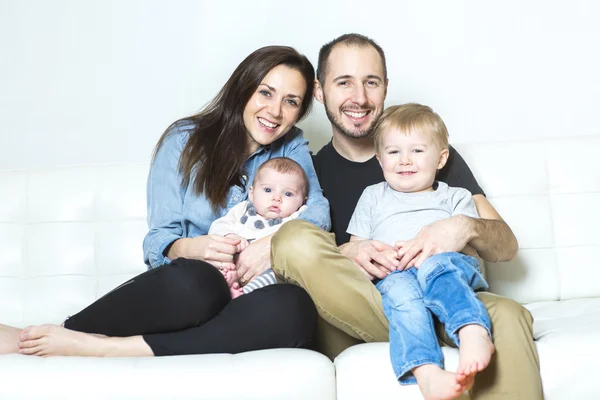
[{"x": 356, "y": 133}]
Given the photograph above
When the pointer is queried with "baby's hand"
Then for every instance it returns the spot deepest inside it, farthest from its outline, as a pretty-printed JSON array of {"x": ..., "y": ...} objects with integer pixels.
[{"x": 243, "y": 242}]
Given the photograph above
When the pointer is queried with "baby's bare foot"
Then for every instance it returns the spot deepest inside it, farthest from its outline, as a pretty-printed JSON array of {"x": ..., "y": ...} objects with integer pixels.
[
  {"x": 231, "y": 276},
  {"x": 236, "y": 291},
  {"x": 475, "y": 350},
  {"x": 9, "y": 339},
  {"x": 54, "y": 340},
  {"x": 438, "y": 384}
]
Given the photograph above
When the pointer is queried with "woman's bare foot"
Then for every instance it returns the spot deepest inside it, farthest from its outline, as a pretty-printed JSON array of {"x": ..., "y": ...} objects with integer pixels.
[
  {"x": 9, "y": 339},
  {"x": 438, "y": 384},
  {"x": 475, "y": 350},
  {"x": 54, "y": 340}
]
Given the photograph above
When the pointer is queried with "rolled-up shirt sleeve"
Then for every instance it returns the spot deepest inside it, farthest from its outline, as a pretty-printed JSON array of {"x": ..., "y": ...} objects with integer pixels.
[
  {"x": 317, "y": 211},
  {"x": 165, "y": 196}
]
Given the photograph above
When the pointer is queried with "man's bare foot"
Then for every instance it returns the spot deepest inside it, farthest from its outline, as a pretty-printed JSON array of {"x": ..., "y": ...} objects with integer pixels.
[
  {"x": 54, "y": 340},
  {"x": 438, "y": 384},
  {"x": 9, "y": 339},
  {"x": 475, "y": 350},
  {"x": 236, "y": 291}
]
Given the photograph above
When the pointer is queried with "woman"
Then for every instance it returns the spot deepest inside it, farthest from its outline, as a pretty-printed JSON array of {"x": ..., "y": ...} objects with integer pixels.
[{"x": 202, "y": 168}]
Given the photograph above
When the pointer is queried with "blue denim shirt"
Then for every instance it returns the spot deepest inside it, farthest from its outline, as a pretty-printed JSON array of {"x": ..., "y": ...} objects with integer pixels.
[{"x": 176, "y": 212}]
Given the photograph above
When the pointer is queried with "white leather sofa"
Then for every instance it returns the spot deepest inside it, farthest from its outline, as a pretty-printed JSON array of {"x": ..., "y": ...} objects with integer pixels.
[{"x": 69, "y": 235}]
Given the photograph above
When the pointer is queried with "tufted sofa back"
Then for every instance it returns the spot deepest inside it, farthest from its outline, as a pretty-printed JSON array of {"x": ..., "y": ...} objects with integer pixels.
[
  {"x": 69, "y": 235},
  {"x": 548, "y": 191}
]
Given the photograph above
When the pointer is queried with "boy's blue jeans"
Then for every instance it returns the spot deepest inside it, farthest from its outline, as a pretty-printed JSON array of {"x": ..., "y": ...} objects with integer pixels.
[{"x": 444, "y": 285}]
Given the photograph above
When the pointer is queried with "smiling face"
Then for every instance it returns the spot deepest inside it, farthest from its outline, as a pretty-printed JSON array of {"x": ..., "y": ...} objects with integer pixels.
[
  {"x": 354, "y": 89},
  {"x": 410, "y": 160},
  {"x": 274, "y": 107},
  {"x": 276, "y": 194}
]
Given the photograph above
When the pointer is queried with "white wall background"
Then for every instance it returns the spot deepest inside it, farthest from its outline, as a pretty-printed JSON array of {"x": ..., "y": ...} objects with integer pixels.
[{"x": 98, "y": 81}]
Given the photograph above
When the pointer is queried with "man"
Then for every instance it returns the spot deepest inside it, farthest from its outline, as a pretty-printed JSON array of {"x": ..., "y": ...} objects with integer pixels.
[{"x": 352, "y": 84}]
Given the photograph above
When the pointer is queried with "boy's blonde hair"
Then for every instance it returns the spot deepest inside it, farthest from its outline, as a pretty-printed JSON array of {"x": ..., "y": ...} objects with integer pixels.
[
  {"x": 408, "y": 118},
  {"x": 284, "y": 165}
]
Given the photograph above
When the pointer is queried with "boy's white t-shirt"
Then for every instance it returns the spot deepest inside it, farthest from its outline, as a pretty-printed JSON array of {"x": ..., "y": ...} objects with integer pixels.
[{"x": 387, "y": 215}]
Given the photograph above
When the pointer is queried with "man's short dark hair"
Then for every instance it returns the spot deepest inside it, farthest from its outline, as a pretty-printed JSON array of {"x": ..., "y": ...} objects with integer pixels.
[{"x": 349, "y": 39}]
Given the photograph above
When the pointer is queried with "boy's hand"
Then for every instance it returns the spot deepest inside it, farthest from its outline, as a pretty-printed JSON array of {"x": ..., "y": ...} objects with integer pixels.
[
  {"x": 369, "y": 257},
  {"x": 392, "y": 255},
  {"x": 449, "y": 234}
]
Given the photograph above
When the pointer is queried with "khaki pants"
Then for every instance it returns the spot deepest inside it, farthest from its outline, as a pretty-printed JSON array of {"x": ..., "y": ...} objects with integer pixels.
[{"x": 350, "y": 311}]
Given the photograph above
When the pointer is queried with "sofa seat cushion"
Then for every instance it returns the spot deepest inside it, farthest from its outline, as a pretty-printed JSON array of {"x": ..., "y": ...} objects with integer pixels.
[
  {"x": 364, "y": 371},
  {"x": 567, "y": 320},
  {"x": 566, "y": 334},
  {"x": 267, "y": 374}
]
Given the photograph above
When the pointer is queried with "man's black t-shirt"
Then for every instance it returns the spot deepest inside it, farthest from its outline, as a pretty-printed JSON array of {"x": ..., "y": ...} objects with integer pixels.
[{"x": 343, "y": 181}]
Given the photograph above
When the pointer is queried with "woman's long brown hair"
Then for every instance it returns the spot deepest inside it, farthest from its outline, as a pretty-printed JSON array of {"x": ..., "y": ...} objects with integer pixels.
[{"x": 216, "y": 150}]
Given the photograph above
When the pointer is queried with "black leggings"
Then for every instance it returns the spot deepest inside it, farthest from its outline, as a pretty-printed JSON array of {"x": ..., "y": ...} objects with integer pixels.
[{"x": 185, "y": 308}]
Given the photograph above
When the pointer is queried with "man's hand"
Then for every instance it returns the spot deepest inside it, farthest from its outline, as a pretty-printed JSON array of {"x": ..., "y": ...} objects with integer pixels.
[
  {"x": 243, "y": 242},
  {"x": 450, "y": 234},
  {"x": 254, "y": 260},
  {"x": 374, "y": 258}
]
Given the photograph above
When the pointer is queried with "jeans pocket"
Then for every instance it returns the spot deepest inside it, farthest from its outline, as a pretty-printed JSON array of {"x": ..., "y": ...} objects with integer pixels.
[{"x": 433, "y": 270}]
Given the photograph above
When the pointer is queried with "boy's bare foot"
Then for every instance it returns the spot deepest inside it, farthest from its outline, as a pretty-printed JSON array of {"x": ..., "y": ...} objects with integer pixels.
[
  {"x": 438, "y": 384},
  {"x": 54, "y": 340},
  {"x": 466, "y": 381},
  {"x": 9, "y": 339},
  {"x": 475, "y": 349}
]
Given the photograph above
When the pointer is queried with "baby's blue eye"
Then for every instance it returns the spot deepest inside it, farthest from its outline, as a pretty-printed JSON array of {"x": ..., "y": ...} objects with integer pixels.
[
  {"x": 289, "y": 194},
  {"x": 267, "y": 190}
]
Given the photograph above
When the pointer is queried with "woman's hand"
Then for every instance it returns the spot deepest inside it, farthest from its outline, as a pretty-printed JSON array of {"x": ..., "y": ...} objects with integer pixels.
[
  {"x": 254, "y": 260},
  {"x": 243, "y": 242},
  {"x": 214, "y": 249}
]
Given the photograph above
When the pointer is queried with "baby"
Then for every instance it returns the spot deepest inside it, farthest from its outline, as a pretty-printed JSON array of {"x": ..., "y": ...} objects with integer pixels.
[
  {"x": 411, "y": 144},
  {"x": 277, "y": 195}
]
